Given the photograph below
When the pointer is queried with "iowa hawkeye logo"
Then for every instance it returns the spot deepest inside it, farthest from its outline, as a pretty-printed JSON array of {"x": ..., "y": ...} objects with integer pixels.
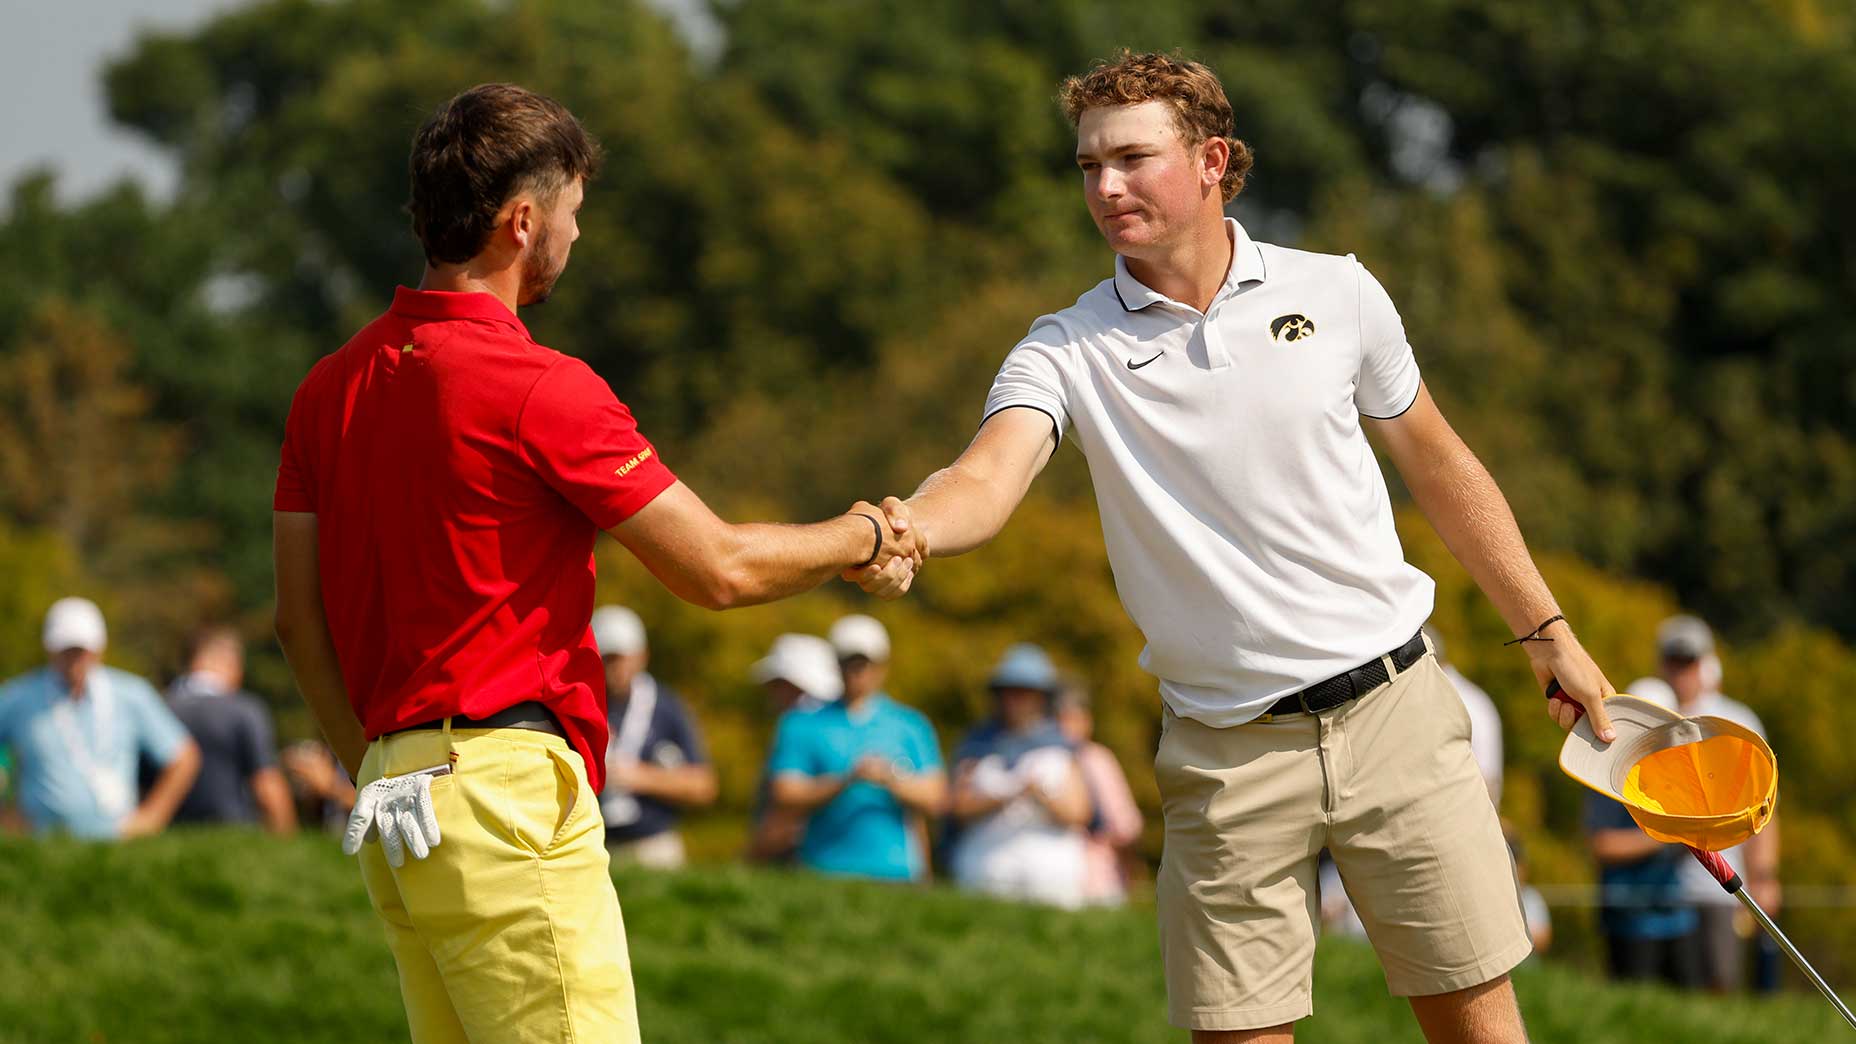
[{"x": 1291, "y": 327}]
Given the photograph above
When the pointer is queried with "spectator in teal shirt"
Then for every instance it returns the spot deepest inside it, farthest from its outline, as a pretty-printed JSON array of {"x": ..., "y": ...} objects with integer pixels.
[
  {"x": 864, "y": 772},
  {"x": 74, "y": 730}
]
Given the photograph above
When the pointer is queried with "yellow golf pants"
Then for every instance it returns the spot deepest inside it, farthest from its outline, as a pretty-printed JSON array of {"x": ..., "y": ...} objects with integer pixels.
[{"x": 510, "y": 931}]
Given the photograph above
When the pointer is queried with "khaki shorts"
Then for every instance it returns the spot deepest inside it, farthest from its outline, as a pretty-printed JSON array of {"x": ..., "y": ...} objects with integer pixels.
[{"x": 1386, "y": 783}]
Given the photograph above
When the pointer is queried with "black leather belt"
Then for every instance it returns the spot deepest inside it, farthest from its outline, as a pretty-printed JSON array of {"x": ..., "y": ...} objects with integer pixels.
[
  {"x": 528, "y": 714},
  {"x": 1327, "y": 695}
]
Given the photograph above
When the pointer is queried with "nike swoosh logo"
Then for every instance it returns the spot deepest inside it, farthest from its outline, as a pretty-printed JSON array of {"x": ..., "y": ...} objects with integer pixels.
[{"x": 1132, "y": 365}]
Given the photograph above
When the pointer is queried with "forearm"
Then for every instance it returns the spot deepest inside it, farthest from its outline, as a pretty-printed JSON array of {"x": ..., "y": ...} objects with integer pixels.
[
  {"x": 924, "y": 794},
  {"x": 1069, "y": 808},
  {"x": 310, "y": 652},
  {"x": 1623, "y": 846},
  {"x": 802, "y": 794},
  {"x": 1466, "y": 508},
  {"x": 766, "y": 561},
  {"x": 956, "y": 511},
  {"x": 171, "y": 786},
  {"x": 969, "y": 804},
  {"x": 272, "y": 794},
  {"x": 1762, "y": 852},
  {"x": 688, "y": 785}
]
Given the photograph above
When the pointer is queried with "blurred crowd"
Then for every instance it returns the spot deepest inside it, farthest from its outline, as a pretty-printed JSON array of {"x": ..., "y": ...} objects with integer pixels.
[{"x": 1028, "y": 806}]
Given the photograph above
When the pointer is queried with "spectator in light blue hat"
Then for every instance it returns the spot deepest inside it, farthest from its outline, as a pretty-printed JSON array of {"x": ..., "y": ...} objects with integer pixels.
[{"x": 1019, "y": 795}]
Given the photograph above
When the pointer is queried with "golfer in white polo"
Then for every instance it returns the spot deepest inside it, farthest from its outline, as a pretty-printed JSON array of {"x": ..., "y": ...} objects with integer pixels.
[{"x": 1221, "y": 390}]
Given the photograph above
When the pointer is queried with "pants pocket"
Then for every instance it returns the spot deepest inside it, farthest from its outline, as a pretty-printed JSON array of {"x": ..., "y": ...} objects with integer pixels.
[{"x": 569, "y": 789}]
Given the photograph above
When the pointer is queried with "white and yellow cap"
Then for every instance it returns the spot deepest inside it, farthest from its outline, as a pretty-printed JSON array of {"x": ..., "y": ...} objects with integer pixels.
[{"x": 1705, "y": 782}]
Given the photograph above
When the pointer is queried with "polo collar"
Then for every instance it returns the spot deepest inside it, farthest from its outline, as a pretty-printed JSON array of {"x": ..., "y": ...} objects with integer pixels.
[
  {"x": 1246, "y": 267},
  {"x": 444, "y": 304}
]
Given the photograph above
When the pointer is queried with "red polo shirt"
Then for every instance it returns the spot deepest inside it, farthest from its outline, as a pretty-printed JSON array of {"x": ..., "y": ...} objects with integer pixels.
[{"x": 459, "y": 473}]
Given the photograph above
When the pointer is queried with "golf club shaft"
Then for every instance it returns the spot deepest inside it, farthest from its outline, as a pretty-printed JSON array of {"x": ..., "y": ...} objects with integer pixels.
[{"x": 1797, "y": 958}]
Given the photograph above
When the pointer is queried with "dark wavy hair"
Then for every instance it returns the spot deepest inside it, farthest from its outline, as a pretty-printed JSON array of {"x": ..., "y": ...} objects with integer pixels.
[{"x": 481, "y": 148}]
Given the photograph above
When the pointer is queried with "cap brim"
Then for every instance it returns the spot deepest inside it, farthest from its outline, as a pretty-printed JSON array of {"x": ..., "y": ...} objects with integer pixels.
[{"x": 1603, "y": 766}]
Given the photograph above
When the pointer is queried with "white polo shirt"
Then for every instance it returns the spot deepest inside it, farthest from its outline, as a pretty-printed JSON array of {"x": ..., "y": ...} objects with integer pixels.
[{"x": 1246, "y": 518}]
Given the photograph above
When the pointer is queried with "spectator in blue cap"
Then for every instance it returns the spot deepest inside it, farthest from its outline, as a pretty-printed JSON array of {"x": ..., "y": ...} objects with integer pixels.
[{"x": 1019, "y": 795}]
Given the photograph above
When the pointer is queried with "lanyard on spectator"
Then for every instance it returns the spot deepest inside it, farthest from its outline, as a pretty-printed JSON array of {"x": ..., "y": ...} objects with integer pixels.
[
  {"x": 627, "y": 744},
  {"x": 113, "y": 795}
]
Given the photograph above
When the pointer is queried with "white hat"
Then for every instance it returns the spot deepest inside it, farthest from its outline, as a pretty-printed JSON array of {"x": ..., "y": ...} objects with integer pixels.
[
  {"x": 859, "y": 635},
  {"x": 807, "y": 661},
  {"x": 617, "y": 631},
  {"x": 74, "y": 623}
]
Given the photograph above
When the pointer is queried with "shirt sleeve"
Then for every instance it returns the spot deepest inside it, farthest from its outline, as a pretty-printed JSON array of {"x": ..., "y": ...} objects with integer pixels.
[
  {"x": 585, "y": 444},
  {"x": 927, "y": 752},
  {"x": 1388, "y": 380},
  {"x": 158, "y": 732},
  {"x": 792, "y": 750},
  {"x": 1032, "y": 376},
  {"x": 1602, "y": 813},
  {"x": 295, "y": 489},
  {"x": 258, "y": 743},
  {"x": 680, "y": 729}
]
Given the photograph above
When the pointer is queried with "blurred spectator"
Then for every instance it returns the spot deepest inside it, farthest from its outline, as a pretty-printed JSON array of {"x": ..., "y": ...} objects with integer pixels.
[
  {"x": 1019, "y": 794},
  {"x": 239, "y": 781},
  {"x": 1485, "y": 721},
  {"x": 1533, "y": 904},
  {"x": 75, "y": 729},
  {"x": 1688, "y": 682},
  {"x": 861, "y": 771},
  {"x": 324, "y": 793},
  {"x": 655, "y": 762},
  {"x": 1115, "y": 820},
  {"x": 799, "y": 671},
  {"x": 1650, "y": 932}
]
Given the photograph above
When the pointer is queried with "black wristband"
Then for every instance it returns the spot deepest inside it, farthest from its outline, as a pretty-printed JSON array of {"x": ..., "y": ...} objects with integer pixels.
[
  {"x": 1535, "y": 635},
  {"x": 878, "y": 549}
]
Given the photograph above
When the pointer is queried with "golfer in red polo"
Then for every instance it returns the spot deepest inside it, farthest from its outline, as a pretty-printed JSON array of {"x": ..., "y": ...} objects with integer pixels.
[{"x": 443, "y": 478}]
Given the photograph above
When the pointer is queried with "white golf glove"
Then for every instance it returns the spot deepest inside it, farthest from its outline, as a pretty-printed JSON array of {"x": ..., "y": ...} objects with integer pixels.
[{"x": 400, "y": 811}]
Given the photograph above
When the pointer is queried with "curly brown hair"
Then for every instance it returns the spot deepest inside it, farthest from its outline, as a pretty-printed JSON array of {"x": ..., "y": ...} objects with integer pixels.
[
  {"x": 1199, "y": 105},
  {"x": 479, "y": 150}
]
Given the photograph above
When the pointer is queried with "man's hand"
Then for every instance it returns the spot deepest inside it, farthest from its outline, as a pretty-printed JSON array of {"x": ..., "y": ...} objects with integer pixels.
[
  {"x": 1582, "y": 684},
  {"x": 874, "y": 768},
  {"x": 400, "y": 811},
  {"x": 143, "y": 822},
  {"x": 891, "y": 580}
]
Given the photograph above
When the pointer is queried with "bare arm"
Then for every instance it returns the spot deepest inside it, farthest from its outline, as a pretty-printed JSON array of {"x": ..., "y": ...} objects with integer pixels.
[
  {"x": 720, "y": 565},
  {"x": 165, "y": 795},
  {"x": 968, "y": 802},
  {"x": 275, "y": 806},
  {"x": 1069, "y": 806},
  {"x": 1462, "y": 502},
  {"x": 1627, "y": 845},
  {"x": 965, "y": 504},
  {"x": 801, "y": 793},
  {"x": 688, "y": 785},
  {"x": 923, "y": 793},
  {"x": 1762, "y": 865},
  {"x": 303, "y": 631}
]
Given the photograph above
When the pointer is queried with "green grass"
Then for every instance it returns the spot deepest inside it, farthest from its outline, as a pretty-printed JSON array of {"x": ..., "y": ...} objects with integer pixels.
[{"x": 234, "y": 937}]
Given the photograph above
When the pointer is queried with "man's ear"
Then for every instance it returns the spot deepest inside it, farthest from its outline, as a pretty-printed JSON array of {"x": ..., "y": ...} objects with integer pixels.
[
  {"x": 1214, "y": 158},
  {"x": 522, "y": 221}
]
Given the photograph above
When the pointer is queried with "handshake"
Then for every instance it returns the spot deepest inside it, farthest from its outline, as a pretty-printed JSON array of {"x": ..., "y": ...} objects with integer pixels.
[{"x": 901, "y": 548}]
